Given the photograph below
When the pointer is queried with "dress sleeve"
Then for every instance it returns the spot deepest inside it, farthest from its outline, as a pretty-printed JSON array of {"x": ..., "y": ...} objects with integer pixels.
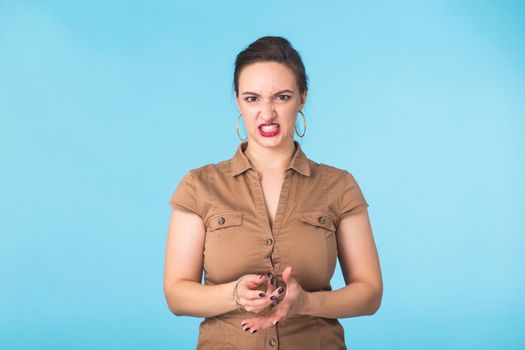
[
  {"x": 352, "y": 199},
  {"x": 184, "y": 197}
]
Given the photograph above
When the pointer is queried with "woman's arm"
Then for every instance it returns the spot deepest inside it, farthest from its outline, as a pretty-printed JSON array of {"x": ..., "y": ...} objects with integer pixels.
[
  {"x": 359, "y": 263},
  {"x": 183, "y": 290}
]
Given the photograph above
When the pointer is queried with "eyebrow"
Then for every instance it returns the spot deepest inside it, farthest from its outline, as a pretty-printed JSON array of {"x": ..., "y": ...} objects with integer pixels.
[{"x": 277, "y": 93}]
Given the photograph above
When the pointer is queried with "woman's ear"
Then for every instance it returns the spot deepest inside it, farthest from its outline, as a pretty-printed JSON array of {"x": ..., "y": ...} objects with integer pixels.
[
  {"x": 237, "y": 102},
  {"x": 303, "y": 99}
]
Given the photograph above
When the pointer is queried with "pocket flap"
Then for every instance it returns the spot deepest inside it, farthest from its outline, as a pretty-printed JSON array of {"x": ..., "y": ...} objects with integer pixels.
[
  {"x": 320, "y": 219},
  {"x": 226, "y": 219}
]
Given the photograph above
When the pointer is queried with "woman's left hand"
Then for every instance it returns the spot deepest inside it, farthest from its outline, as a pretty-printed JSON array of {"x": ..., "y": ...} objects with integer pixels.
[{"x": 293, "y": 301}]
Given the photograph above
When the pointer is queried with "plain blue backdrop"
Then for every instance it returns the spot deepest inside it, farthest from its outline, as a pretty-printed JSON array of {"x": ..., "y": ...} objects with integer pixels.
[{"x": 104, "y": 105}]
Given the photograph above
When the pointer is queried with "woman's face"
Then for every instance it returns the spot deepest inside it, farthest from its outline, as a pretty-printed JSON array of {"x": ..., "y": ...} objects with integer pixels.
[{"x": 268, "y": 95}]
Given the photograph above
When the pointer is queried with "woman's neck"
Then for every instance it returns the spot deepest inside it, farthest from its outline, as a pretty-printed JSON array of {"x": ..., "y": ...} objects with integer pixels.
[{"x": 266, "y": 159}]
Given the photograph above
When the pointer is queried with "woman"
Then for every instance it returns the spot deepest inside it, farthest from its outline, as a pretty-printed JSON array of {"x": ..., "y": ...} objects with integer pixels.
[{"x": 267, "y": 225}]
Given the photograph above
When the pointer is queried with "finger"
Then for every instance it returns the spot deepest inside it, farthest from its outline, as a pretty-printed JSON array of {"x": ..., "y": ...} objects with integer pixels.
[
  {"x": 276, "y": 294},
  {"x": 250, "y": 292},
  {"x": 287, "y": 275},
  {"x": 253, "y": 324},
  {"x": 255, "y": 297},
  {"x": 269, "y": 290},
  {"x": 255, "y": 281},
  {"x": 254, "y": 294},
  {"x": 269, "y": 286},
  {"x": 248, "y": 286},
  {"x": 254, "y": 305}
]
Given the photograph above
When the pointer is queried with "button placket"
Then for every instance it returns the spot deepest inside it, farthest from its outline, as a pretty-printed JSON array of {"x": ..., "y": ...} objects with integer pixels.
[
  {"x": 272, "y": 342},
  {"x": 270, "y": 276},
  {"x": 263, "y": 214}
]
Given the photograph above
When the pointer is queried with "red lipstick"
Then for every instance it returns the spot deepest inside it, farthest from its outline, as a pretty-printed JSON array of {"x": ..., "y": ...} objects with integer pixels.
[{"x": 271, "y": 129}]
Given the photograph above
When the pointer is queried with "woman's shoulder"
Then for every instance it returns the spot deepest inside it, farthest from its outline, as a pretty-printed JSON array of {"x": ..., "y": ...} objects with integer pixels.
[
  {"x": 337, "y": 177},
  {"x": 333, "y": 170},
  {"x": 202, "y": 172}
]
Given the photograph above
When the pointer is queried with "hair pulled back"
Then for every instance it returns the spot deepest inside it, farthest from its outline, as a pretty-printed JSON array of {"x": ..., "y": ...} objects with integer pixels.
[{"x": 268, "y": 49}]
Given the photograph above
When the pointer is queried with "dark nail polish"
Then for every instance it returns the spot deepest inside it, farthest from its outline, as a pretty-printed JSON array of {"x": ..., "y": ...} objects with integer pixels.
[
  {"x": 260, "y": 276},
  {"x": 261, "y": 294},
  {"x": 244, "y": 324},
  {"x": 276, "y": 322},
  {"x": 254, "y": 331},
  {"x": 273, "y": 297},
  {"x": 280, "y": 290},
  {"x": 247, "y": 329}
]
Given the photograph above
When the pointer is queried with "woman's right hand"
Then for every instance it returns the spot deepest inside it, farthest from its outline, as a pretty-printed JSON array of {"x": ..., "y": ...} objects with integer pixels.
[{"x": 253, "y": 299}]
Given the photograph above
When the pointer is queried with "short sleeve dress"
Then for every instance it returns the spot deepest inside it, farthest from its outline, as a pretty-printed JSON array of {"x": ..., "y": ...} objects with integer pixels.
[{"x": 239, "y": 240}]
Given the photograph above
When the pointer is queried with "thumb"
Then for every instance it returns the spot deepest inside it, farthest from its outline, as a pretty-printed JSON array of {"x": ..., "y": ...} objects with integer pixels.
[
  {"x": 287, "y": 274},
  {"x": 255, "y": 280}
]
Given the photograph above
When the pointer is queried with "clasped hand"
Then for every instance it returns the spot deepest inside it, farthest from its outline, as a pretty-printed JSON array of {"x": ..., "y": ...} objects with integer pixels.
[{"x": 292, "y": 299}]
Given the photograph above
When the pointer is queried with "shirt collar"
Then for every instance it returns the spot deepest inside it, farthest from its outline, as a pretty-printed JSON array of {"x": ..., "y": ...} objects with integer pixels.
[{"x": 240, "y": 163}]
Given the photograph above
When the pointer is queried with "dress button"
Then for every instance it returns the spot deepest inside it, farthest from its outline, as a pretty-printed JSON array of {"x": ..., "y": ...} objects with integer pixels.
[
  {"x": 269, "y": 241},
  {"x": 321, "y": 220},
  {"x": 221, "y": 220},
  {"x": 272, "y": 342}
]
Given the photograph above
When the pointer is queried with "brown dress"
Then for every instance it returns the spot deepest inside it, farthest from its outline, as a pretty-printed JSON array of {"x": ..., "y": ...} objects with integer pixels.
[{"x": 239, "y": 240}]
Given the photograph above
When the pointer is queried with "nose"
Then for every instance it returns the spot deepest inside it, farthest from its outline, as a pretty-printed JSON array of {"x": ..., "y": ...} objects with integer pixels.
[{"x": 267, "y": 111}]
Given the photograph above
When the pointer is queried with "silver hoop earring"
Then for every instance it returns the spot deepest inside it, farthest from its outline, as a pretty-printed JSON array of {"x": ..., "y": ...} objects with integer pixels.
[
  {"x": 304, "y": 121},
  {"x": 238, "y": 133}
]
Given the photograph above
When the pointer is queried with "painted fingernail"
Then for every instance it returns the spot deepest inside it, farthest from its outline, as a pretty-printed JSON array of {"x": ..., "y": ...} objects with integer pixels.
[
  {"x": 261, "y": 276},
  {"x": 273, "y": 297},
  {"x": 247, "y": 329},
  {"x": 243, "y": 324},
  {"x": 254, "y": 331},
  {"x": 276, "y": 322},
  {"x": 280, "y": 290},
  {"x": 261, "y": 294}
]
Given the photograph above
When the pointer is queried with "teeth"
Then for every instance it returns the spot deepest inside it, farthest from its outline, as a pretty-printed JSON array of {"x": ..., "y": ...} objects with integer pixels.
[{"x": 269, "y": 128}]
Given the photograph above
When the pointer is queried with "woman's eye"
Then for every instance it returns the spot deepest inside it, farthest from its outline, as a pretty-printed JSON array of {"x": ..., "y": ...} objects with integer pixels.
[{"x": 284, "y": 97}]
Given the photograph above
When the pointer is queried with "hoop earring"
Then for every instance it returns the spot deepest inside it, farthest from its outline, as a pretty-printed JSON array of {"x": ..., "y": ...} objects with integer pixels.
[
  {"x": 238, "y": 134},
  {"x": 304, "y": 121}
]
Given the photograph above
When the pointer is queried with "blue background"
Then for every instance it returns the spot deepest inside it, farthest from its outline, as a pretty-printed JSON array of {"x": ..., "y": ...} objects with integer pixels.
[{"x": 105, "y": 105}]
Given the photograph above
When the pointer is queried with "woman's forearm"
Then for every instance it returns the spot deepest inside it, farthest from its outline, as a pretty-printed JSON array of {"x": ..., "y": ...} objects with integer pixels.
[
  {"x": 355, "y": 299},
  {"x": 190, "y": 298}
]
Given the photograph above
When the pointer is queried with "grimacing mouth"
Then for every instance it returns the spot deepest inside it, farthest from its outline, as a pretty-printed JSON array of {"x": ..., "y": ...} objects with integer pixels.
[{"x": 264, "y": 124}]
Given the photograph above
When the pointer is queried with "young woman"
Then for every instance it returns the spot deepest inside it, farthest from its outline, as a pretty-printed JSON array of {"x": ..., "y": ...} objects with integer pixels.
[{"x": 267, "y": 226}]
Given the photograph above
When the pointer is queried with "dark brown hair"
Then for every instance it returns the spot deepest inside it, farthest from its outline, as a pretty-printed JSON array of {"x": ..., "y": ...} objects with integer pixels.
[{"x": 267, "y": 49}]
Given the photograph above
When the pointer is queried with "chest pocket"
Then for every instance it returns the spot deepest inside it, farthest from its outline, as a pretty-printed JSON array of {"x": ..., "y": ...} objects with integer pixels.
[
  {"x": 316, "y": 258},
  {"x": 223, "y": 220},
  {"x": 227, "y": 247},
  {"x": 320, "y": 219}
]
